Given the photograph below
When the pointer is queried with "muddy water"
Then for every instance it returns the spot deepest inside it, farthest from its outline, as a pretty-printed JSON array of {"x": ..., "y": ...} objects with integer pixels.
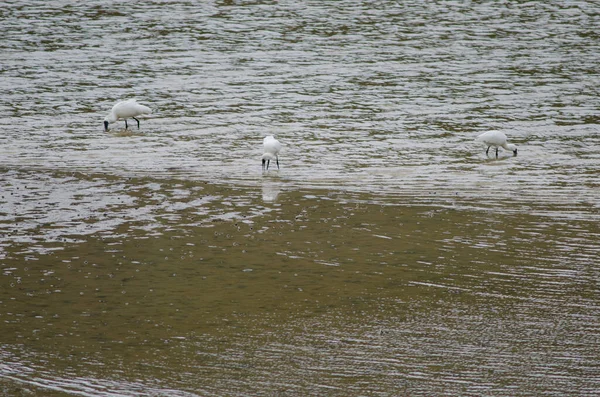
[
  {"x": 170, "y": 287},
  {"x": 388, "y": 256}
]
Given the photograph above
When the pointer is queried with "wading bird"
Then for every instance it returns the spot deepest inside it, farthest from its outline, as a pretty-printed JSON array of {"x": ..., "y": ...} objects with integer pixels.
[
  {"x": 272, "y": 148},
  {"x": 124, "y": 110},
  {"x": 496, "y": 139}
]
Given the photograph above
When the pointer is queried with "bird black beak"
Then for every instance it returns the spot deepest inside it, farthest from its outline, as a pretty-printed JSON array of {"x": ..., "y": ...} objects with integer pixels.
[{"x": 106, "y": 126}]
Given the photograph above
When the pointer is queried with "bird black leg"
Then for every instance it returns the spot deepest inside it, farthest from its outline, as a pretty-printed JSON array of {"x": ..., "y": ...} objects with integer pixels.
[
  {"x": 496, "y": 152},
  {"x": 277, "y": 159},
  {"x": 125, "y": 123},
  {"x": 137, "y": 122},
  {"x": 488, "y": 150}
]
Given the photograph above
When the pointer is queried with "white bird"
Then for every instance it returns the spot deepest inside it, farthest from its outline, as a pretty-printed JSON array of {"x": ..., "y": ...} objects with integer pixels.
[
  {"x": 272, "y": 148},
  {"x": 496, "y": 139},
  {"x": 124, "y": 110}
]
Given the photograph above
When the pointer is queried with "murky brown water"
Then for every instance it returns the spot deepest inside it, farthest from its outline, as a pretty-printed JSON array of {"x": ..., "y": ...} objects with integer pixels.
[{"x": 388, "y": 256}]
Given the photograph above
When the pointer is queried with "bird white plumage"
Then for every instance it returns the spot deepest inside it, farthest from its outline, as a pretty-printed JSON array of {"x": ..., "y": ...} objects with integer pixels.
[
  {"x": 496, "y": 139},
  {"x": 124, "y": 110},
  {"x": 272, "y": 148}
]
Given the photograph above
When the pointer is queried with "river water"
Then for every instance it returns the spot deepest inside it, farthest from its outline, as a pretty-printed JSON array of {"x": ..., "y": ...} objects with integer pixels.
[{"x": 388, "y": 256}]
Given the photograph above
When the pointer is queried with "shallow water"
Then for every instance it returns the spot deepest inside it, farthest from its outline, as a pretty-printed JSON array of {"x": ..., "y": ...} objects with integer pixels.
[{"x": 388, "y": 256}]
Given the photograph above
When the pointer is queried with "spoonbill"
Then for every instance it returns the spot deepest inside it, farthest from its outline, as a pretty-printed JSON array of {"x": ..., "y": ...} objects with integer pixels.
[
  {"x": 124, "y": 110},
  {"x": 272, "y": 148},
  {"x": 496, "y": 139}
]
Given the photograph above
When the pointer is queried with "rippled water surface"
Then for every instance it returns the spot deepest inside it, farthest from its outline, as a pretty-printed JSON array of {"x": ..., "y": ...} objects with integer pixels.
[{"x": 388, "y": 256}]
